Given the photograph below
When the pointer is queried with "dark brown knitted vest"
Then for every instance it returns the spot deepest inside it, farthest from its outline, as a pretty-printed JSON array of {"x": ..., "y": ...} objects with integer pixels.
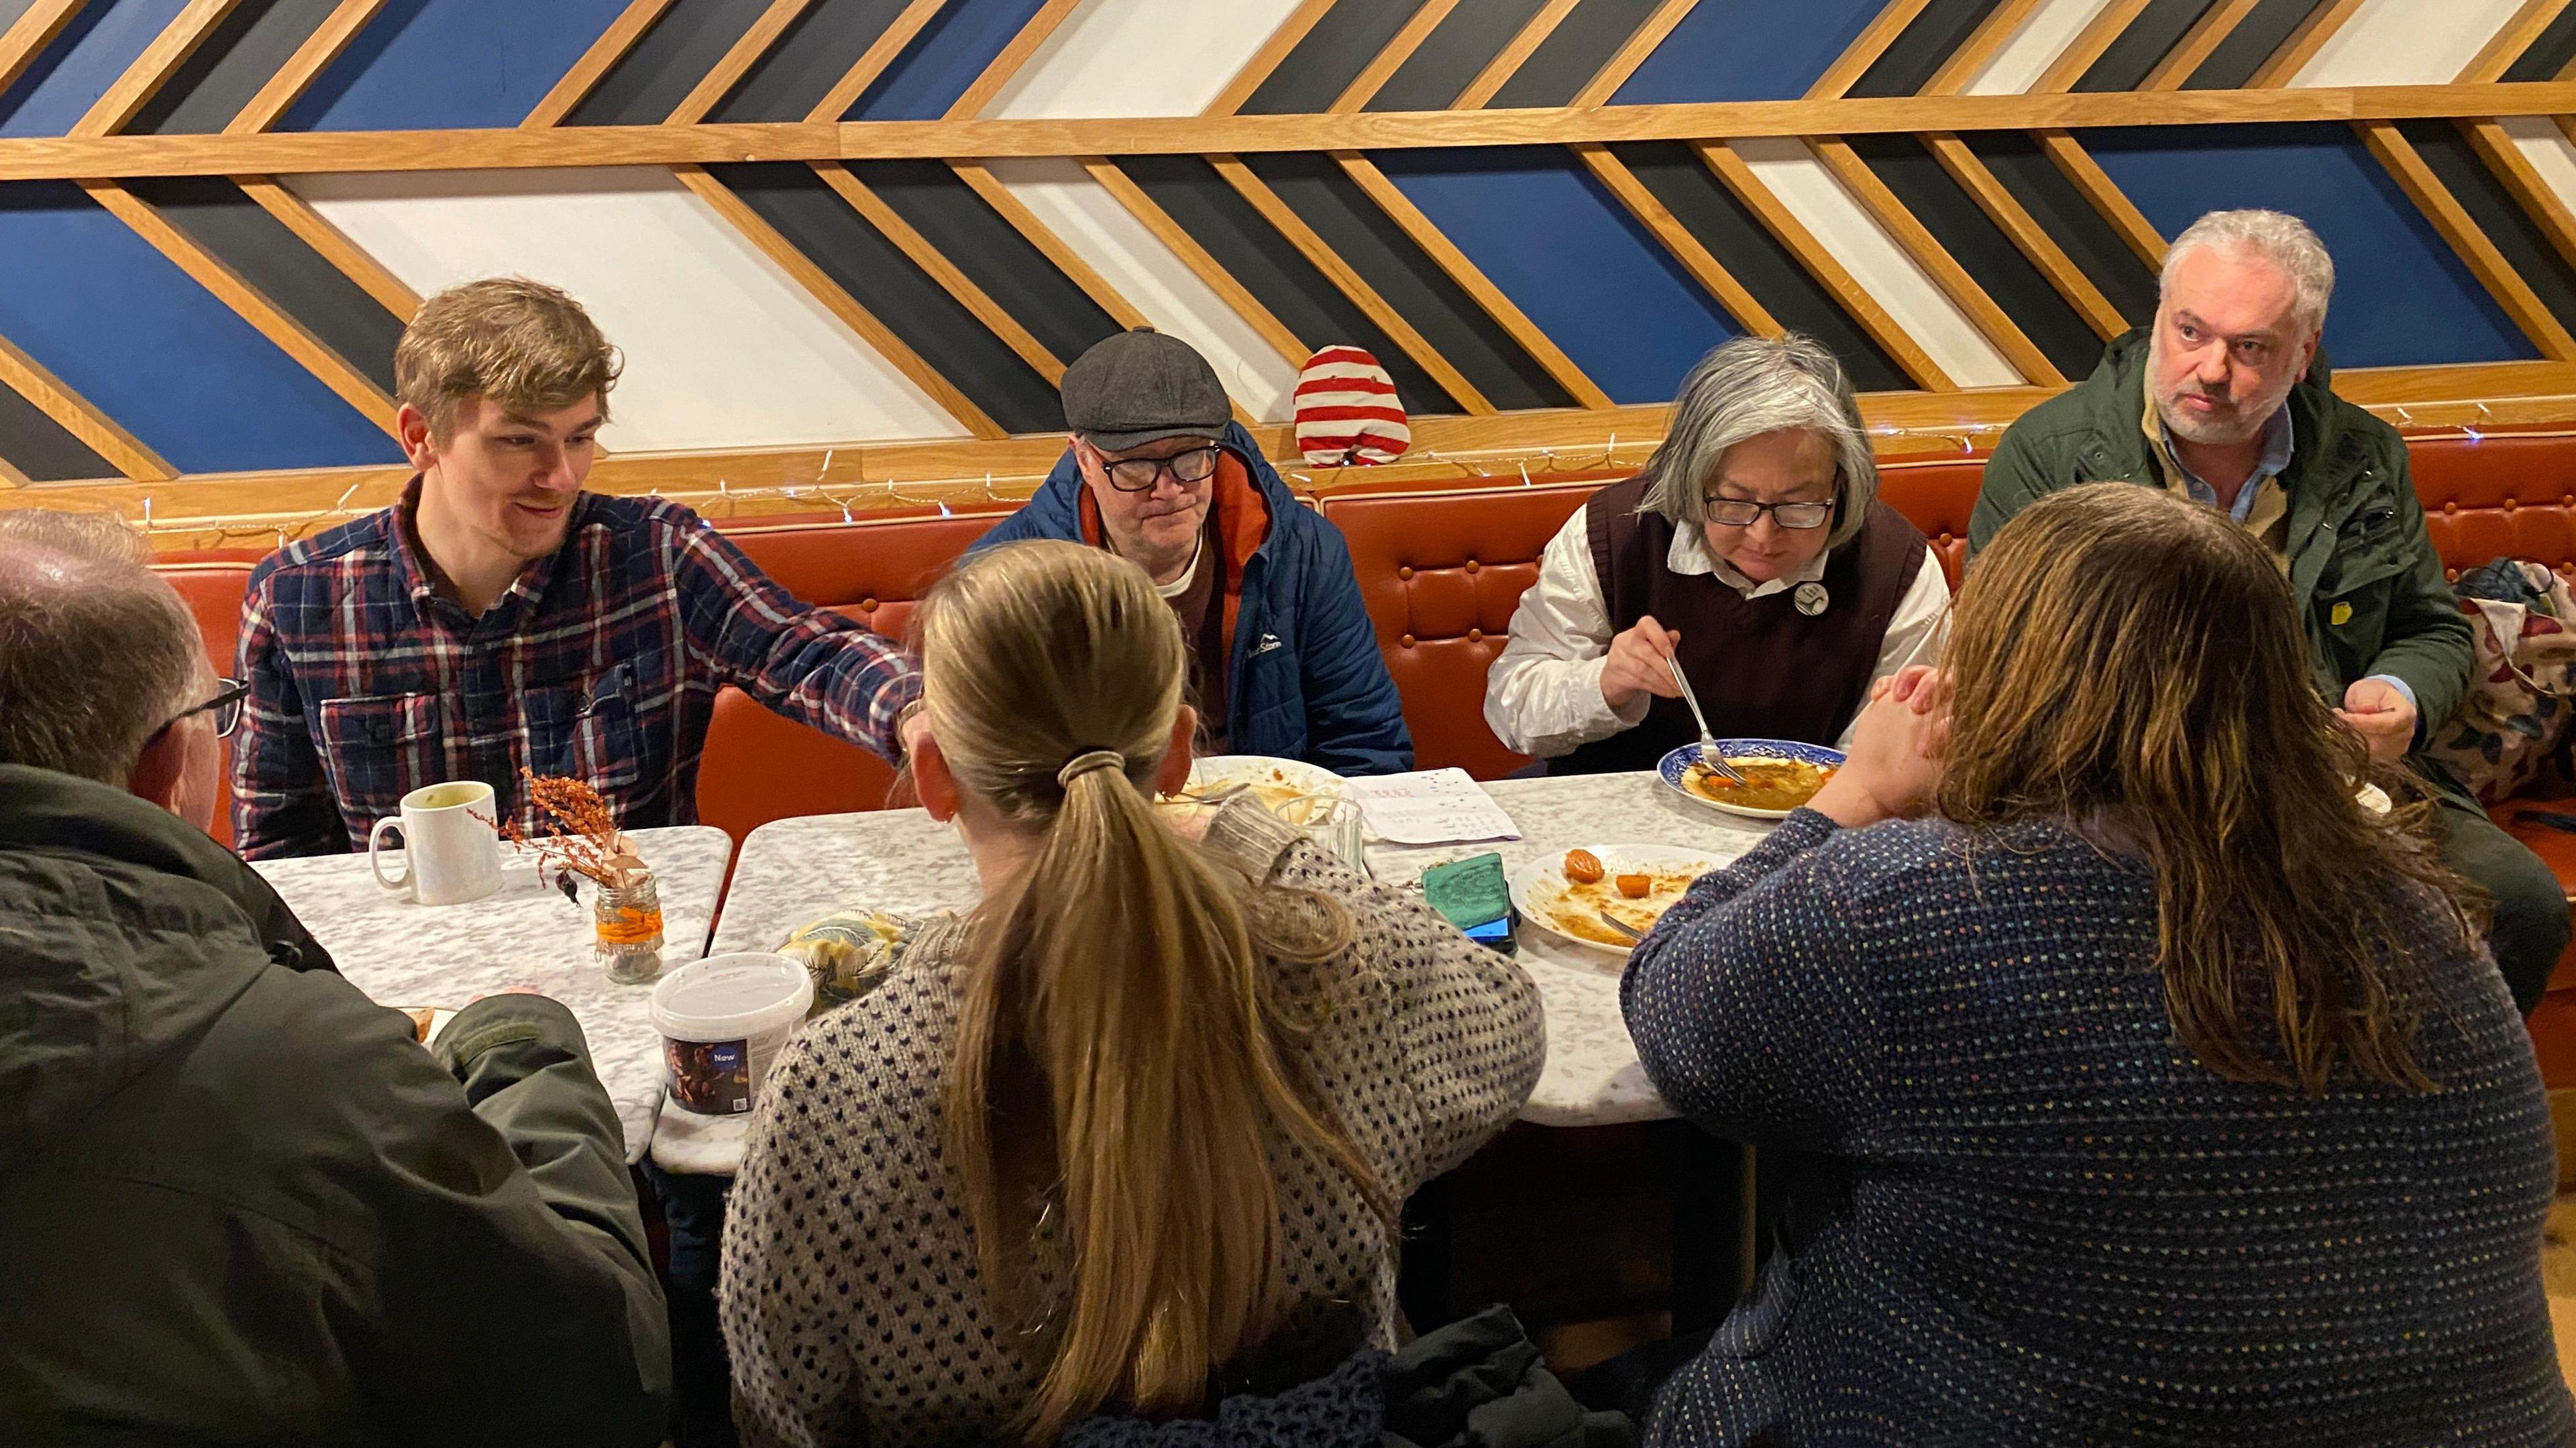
[{"x": 1761, "y": 668}]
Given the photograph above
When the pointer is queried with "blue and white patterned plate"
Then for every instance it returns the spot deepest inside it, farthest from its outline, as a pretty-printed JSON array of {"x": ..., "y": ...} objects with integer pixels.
[{"x": 1671, "y": 766}]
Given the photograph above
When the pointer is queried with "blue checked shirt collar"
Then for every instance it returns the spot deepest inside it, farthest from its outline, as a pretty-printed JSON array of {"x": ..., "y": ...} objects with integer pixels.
[{"x": 2279, "y": 437}]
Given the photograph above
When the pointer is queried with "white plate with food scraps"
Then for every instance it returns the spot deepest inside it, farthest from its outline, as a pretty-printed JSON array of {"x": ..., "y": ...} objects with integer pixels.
[
  {"x": 1297, "y": 792},
  {"x": 1637, "y": 884}
]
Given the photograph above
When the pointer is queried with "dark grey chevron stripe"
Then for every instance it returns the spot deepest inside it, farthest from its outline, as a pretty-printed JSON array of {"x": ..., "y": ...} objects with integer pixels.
[
  {"x": 250, "y": 46},
  {"x": 37, "y": 445},
  {"x": 1455, "y": 52},
  {"x": 1330, "y": 56},
  {"x": 1277, "y": 274},
  {"x": 810, "y": 58},
  {"x": 279, "y": 266},
  {"x": 992, "y": 253},
  {"x": 659, "y": 70},
  {"x": 1362, "y": 234},
  {"x": 1738, "y": 239},
  {"x": 1574, "y": 52},
  {"x": 912, "y": 304}
]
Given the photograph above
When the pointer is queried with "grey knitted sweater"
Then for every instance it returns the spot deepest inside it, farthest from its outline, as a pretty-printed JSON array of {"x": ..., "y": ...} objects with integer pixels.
[{"x": 851, "y": 1298}]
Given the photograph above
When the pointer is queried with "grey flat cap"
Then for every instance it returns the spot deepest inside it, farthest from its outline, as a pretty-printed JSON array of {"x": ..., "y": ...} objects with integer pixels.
[{"x": 1139, "y": 387}]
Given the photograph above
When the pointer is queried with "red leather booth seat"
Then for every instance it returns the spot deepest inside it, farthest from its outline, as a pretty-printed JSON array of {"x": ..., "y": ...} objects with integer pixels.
[
  {"x": 1441, "y": 571},
  {"x": 2513, "y": 495},
  {"x": 213, "y": 592},
  {"x": 759, "y": 767}
]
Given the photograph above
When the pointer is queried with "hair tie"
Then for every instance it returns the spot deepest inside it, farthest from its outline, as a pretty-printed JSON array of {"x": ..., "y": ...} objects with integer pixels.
[{"x": 1082, "y": 764}]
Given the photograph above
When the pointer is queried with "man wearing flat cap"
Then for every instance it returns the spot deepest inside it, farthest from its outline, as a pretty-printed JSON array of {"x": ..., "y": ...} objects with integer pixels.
[{"x": 1282, "y": 659}]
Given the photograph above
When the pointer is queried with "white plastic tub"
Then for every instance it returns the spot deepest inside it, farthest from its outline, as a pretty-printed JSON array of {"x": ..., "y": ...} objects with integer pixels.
[{"x": 723, "y": 1020}]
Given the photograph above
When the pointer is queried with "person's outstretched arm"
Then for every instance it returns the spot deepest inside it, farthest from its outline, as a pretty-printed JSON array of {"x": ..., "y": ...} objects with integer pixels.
[{"x": 805, "y": 663}]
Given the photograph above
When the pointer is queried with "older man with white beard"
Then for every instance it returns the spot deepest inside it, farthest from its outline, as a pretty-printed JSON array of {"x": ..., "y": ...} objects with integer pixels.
[{"x": 2225, "y": 400}]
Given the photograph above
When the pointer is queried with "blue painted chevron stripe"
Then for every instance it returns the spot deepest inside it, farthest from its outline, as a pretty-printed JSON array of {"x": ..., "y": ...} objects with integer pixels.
[
  {"x": 2403, "y": 297},
  {"x": 1766, "y": 51},
  {"x": 69, "y": 76},
  {"x": 125, "y": 328},
  {"x": 943, "y": 60},
  {"x": 426, "y": 65},
  {"x": 1564, "y": 250}
]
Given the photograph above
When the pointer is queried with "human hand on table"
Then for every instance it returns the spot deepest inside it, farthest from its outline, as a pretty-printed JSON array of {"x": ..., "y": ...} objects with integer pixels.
[
  {"x": 1894, "y": 763},
  {"x": 1638, "y": 664},
  {"x": 2377, "y": 711}
]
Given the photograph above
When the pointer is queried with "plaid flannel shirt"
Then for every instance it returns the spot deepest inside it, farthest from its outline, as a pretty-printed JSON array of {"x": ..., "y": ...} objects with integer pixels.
[{"x": 601, "y": 661}]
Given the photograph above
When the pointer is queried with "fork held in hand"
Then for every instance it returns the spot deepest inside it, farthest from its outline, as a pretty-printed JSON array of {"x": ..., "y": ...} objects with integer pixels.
[{"x": 1708, "y": 750}]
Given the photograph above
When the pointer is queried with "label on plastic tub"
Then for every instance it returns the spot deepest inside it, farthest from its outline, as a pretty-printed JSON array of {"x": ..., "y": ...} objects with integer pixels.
[{"x": 712, "y": 1078}]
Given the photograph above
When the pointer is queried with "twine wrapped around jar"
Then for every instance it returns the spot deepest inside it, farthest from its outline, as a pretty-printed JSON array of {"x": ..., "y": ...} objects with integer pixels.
[{"x": 628, "y": 921}]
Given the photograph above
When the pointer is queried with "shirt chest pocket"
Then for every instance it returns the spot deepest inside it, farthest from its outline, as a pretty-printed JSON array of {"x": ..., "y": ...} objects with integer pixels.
[
  {"x": 585, "y": 729},
  {"x": 376, "y": 748}
]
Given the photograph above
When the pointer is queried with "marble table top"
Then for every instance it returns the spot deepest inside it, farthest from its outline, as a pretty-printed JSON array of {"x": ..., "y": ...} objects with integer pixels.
[
  {"x": 793, "y": 870},
  {"x": 406, "y": 954},
  {"x": 1592, "y": 1077}
]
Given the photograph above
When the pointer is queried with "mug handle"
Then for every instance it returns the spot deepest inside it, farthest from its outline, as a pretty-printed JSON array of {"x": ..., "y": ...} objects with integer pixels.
[{"x": 375, "y": 854}]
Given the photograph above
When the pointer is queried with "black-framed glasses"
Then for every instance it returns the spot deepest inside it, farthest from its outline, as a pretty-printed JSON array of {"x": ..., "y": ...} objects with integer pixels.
[
  {"x": 1742, "y": 512},
  {"x": 1138, "y": 475},
  {"x": 226, "y": 706}
]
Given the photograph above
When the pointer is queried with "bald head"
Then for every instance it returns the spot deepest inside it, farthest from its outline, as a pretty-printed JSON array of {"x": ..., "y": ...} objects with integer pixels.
[{"x": 96, "y": 652}]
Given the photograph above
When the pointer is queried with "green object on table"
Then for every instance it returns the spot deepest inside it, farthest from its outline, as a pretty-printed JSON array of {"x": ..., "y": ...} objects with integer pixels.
[{"x": 1471, "y": 892}]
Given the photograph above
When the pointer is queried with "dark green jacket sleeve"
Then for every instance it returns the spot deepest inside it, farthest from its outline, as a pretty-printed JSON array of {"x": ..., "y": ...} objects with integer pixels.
[
  {"x": 2427, "y": 642},
  {"x": 2016, "y": 476},
  {"x": 511, "y": 1290}
]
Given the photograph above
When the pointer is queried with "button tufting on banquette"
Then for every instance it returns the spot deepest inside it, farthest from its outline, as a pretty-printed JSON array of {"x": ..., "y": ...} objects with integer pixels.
[
  {"x": 1441, "y": 570},
  {"x": 759, "y": 767}
]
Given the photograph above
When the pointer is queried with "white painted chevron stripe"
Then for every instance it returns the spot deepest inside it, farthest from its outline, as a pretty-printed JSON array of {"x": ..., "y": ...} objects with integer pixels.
[
  {"x": 2406, "y": 42},
  {"x": 1139, "y": 58},
  {"x": 1845, "y": 228},
  {"x": 1142, "y": 269},
  {"x": 2042, "y": 37},
  {"x": 723, "y": 348}
]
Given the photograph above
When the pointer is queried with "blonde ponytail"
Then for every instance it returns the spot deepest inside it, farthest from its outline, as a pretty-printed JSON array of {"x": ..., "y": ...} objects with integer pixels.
[{"x": 1124, "y": 1047}]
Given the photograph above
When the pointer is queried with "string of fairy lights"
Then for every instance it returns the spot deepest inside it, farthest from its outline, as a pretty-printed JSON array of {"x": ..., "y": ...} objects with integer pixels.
[{"x": 1527, "y": 466}]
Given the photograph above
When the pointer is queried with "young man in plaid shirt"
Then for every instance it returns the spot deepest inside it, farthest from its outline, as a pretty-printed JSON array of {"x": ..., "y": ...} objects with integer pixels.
[{"x": 498, "y": 618}]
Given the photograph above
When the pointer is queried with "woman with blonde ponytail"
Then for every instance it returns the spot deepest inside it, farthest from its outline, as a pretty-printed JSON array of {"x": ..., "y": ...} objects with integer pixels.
[{"x": 1152, "y": 1103}]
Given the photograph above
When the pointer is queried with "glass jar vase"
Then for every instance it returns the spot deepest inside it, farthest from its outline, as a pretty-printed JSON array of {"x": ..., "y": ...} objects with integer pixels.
[{"x": 628, "y": 920}]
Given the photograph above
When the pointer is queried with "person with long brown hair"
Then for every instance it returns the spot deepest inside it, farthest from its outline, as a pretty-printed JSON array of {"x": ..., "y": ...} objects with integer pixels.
[
  {"x": 2168, "y": 1092},
  {"x": 1150, "y": 1104}
]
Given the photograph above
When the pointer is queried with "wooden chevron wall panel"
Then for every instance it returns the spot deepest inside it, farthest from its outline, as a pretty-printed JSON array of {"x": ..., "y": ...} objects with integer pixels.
[{"x": 842, "y": 240}]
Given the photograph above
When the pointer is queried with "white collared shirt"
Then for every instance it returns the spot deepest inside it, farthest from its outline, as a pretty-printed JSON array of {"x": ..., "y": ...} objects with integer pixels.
[{"x": 1543, "y": 694}]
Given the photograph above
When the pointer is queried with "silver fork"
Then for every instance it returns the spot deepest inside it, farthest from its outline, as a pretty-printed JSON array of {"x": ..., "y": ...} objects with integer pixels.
[
  {"x": 1708, "y": 751},
  {"x": 1620, "y": 926}
]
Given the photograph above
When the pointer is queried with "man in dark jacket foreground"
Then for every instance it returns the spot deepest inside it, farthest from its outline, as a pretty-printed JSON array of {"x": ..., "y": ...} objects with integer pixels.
[
  {"x": 2224, "y": 400},
  {"x": 1282, "y": 658},
  {"x": 241, "y": 1203}
]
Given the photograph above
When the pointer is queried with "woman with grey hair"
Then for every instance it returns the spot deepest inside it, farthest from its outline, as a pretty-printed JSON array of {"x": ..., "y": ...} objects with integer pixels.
[{"x": 1751, "y": 550}]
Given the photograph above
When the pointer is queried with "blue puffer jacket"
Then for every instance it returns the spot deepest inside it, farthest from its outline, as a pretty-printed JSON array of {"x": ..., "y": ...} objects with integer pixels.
[{"x": 1307, "y": 682}]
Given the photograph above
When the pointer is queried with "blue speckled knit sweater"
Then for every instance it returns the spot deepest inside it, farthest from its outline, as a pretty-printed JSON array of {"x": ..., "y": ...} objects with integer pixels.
[{"x": 2062, "y": 1229}]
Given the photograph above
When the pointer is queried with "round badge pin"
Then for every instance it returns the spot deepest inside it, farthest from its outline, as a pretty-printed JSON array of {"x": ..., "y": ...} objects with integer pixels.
[{"x": 1810, "y": 598}]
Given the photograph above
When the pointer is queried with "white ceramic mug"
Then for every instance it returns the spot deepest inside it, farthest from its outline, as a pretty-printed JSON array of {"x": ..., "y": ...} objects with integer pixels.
[{"x": 451, "y": 853}]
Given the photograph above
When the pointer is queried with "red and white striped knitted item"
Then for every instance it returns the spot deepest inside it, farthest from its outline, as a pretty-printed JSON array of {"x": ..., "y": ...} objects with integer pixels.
[{"x": 1347, "y": 411}]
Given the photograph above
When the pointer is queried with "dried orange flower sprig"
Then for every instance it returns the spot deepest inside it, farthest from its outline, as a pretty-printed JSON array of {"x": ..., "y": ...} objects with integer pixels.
[{"x": 581, "y": 837}]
